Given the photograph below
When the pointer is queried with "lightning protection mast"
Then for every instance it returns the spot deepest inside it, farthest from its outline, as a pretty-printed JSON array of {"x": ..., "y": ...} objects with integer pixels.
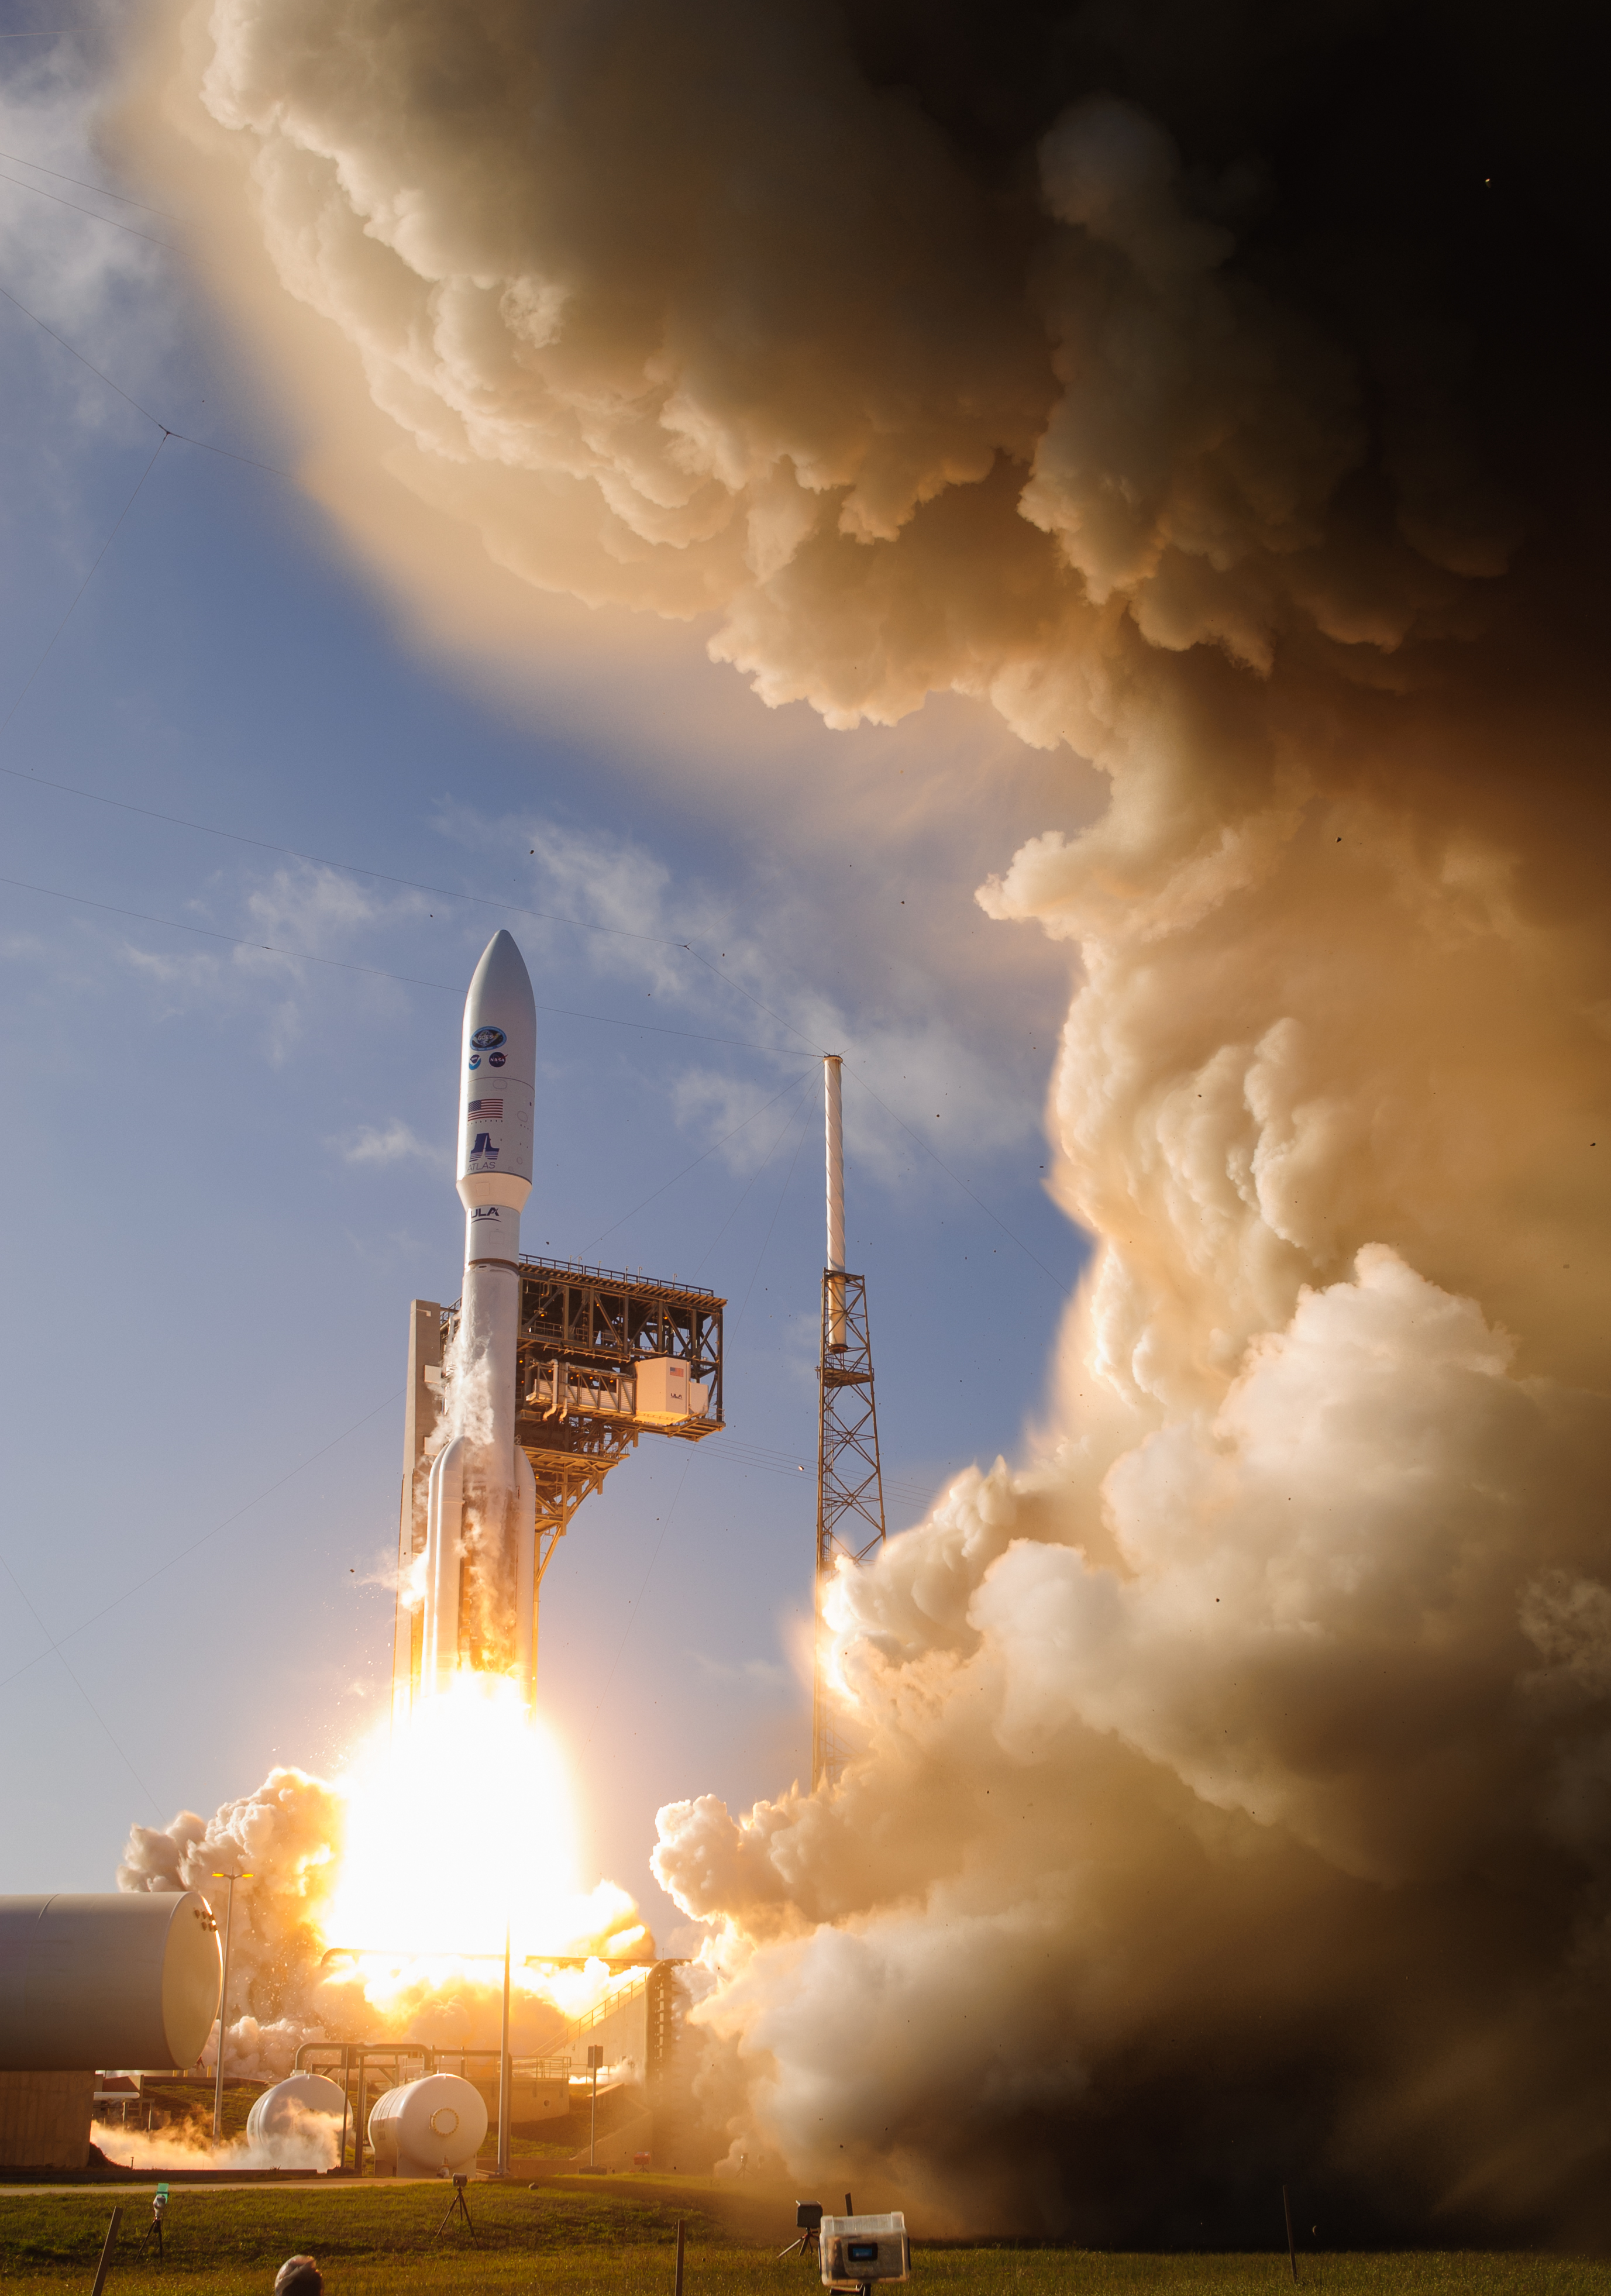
[{"x": 850, "y": 1486}]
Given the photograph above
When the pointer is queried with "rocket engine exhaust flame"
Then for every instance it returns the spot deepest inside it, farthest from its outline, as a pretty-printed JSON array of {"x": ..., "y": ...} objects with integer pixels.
[
  {"x": 1212, "y": 391},
  {"x": 441, "y": 1828}
]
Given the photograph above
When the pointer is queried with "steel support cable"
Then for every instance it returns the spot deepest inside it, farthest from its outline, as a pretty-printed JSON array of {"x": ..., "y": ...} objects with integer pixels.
[
  {"x": 343, "y": 868},
  {"x": 27, "y": 685},
  {"x": 16, "y": 160},
  {"x": 380, "y": 876},
  {"x": 129, "y": 1592},
  {"x": 793, "y": 1085},
  {"x": 19, "y": 305},
  {"x": 442, "y": 892},
  {"x": 56, "y": 1650},
  {"x": 777, "y": 1208},
  {"x": 40, "y": 193},
  {"x": 409, "y": 979},
  {"x": 55, "y": 1646},
  {"x": 205, "y": 445},
  {"x": 889, "y": 1111},
  {"x": 636, "y": 1601},
  {"x": 745, "y": 1191},
  {"x": 237, "y": 836},
  {"x": 738, "y": 1453},
  {"x": 513, "y": 909},
  {"x": 962, "y": 1184}
]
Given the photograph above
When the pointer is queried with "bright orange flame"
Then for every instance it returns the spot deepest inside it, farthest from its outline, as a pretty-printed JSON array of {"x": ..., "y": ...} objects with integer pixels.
[{"x": 459, "y": 1821}]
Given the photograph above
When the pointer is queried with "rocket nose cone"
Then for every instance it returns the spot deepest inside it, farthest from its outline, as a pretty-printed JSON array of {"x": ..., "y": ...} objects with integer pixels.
[
  {"x": 497, "y": 1076},
  {"x": 500, "y": 989}
]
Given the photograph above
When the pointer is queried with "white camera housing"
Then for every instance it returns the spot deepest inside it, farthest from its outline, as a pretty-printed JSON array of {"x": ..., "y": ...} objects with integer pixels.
[{"x": 857, "y": 2250}]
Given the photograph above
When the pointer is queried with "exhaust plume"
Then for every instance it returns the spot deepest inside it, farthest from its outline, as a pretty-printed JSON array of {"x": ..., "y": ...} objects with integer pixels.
[
  {"x": 1211, "y": 390},
  {"x": 344, "y": 1864}
]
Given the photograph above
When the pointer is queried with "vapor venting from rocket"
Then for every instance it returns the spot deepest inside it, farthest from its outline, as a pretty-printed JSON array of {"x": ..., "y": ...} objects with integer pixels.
[{"x": 1211, "y": 390}]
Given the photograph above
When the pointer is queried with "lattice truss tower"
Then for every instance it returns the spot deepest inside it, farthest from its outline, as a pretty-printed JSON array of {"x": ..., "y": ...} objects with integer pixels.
[
  {"x": 849, "y": 1481},
  {"x": 603, "y": 1358}
]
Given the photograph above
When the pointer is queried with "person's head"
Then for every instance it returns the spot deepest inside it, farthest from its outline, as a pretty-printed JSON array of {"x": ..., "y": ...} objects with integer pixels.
[{"x": 299, "y": 2276}]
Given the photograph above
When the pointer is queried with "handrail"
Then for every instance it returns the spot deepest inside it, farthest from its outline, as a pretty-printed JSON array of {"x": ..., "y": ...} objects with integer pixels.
[
  {"x": 587, "y": 2021},
  {"x": 640, "y": 1282}
]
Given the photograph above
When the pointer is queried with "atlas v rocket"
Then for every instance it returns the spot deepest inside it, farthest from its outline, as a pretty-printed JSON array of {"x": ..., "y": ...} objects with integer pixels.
[{"x": 480, "y": 1547}]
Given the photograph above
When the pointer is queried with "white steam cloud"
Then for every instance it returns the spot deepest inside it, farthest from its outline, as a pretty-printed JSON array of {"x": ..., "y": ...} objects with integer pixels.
[
  {"x": 1204, "y": 390},
  {"x": 309, "y": 2141},
  {"x": 288, "y": 1837}
]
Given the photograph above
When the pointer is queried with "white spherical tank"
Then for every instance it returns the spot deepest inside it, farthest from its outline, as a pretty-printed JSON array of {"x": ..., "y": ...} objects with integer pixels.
[
  {"x": 430, "y": 2128},
  {"x": 280, "y": 2110},
  {"x": 120, "y": 1980}
]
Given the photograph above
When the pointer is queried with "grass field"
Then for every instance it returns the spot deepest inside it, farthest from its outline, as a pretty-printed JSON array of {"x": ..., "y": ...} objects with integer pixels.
[{"x": 576, "y": 2238}]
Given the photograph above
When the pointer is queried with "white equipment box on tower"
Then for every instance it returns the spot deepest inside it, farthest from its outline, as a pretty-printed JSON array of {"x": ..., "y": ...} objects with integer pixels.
[{"x": 665, "y": 1390}]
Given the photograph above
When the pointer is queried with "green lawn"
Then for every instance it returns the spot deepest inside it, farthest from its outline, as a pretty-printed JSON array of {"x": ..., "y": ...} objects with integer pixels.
[{"x": 573, "y": 2238}]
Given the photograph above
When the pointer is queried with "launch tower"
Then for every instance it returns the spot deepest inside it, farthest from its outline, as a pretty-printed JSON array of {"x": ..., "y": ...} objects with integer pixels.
[
  {"x": 602, "y": 1358},
  {"x": 849, "y": 1482}
]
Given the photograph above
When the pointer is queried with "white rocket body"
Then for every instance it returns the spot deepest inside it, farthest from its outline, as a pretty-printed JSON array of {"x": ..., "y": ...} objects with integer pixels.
[{"x": 481, "y": 1556}]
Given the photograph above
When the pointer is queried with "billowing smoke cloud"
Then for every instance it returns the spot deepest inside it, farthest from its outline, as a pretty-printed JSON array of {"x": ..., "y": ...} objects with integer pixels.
[
  {"x": 1234, "y": 1815},
  {"x": 1214, "y": 390},
  {"x": 287, "y": 1836}
]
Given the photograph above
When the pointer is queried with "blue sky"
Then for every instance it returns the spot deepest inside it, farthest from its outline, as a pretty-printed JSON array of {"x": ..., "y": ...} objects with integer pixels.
[{"x": 226, "y": 1168}]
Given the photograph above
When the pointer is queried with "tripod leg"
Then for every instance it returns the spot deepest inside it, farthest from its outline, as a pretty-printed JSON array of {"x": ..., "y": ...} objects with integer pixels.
[{"x": 457, "y": 2207}]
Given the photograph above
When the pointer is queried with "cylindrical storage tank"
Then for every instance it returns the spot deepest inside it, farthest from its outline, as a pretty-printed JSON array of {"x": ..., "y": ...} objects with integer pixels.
[
  {"x": 279, "y": 2111},
  {"x": 430, "y": 2128},
  {"x": 116, "y": 1982}
]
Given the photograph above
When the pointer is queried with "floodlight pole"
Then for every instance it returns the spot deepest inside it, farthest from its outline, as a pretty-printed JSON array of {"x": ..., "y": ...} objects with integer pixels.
[
  {"x": 505, "y": 2063},
  {"x": 505, "y": 2071},
  {"x": 595, "y": 2057},
  {"x": 229, "y": 1921}
]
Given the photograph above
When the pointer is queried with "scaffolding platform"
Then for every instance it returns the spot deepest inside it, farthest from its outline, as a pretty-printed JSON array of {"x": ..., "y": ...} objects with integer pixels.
[{"x": 605, "y": 1356}]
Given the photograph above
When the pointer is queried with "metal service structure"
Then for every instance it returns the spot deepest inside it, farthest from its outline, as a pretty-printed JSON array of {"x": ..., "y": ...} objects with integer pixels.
[
  {"x": 603, "y": 1357},
  {"x": 557, "y": 1368},
  {"x": 849, "y": 1481},
  {"x": 628, "y": 2048}
]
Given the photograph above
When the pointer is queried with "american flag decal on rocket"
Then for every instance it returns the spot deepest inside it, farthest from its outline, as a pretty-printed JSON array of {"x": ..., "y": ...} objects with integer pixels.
[{"x": 485, "y": 1109}]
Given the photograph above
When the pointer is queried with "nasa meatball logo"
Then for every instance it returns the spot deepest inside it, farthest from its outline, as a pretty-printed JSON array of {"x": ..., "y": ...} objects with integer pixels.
[
  {"x": 485, "y": 1038},
  {"x": 497, "y": 1060}
]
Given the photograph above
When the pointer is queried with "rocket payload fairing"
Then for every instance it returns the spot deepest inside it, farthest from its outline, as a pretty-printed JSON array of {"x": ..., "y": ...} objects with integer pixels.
[{"x": 480, "y": 1547}]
